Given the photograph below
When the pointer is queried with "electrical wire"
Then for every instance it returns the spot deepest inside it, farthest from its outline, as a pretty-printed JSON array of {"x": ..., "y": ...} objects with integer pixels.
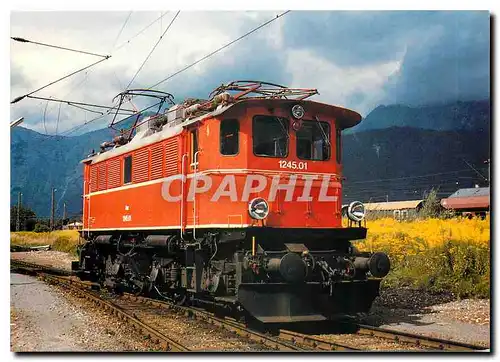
[
  {"x": 22, "y": 40},
  {"x": 72, "y": 103},
  {"x": 140, "y": 32},
  {"x": 192, "y": 64},
  {"x": 58, "y": 116},
  {"x": 121, "y": 30},
  {"x": 406, "y": 177},
  {"x": 219, "y": 49},
  {"x": 152, "y": 50},
  {"x": 44, "y": 114},
  {"x": 15, "y": 100},
  {"x": 76, "y": 128}
]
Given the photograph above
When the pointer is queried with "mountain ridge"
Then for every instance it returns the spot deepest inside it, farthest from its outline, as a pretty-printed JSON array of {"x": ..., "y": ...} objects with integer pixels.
[{"x": 368, "y": 154}]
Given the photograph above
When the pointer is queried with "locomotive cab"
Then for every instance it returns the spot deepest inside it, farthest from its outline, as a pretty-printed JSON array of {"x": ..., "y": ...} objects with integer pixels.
[
  {"x": 235, "y": 201},
  {"x": 284, "y": 159}
]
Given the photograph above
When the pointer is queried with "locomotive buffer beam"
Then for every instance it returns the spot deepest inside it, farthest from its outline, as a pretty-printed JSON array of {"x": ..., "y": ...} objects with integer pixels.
[{"x": 306, "y": 302}]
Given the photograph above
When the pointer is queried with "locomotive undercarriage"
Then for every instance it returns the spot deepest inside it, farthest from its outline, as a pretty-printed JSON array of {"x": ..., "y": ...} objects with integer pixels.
[{"x": 310, "y": 276}]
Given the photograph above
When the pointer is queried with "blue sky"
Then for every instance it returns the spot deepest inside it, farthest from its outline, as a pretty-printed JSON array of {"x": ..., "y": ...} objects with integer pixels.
[{"x": 356, "y": 60}]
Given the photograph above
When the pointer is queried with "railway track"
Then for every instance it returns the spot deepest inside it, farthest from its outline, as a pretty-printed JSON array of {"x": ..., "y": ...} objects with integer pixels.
[
  {"x": 164, "y": 342},
  {"x": 280, "y": 340}
]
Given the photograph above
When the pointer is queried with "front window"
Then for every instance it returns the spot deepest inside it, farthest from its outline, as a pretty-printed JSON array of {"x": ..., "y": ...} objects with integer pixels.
[
  {"x": 229, "y": 136},
  {"x": 270, "y": 136},
  {"x": 313, "y": 141}
]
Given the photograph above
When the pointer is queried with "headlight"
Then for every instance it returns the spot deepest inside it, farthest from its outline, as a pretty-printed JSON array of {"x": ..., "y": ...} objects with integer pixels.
[
  {"x": 258, "y": 208},
  {"x": 298, "y": 111},
  {"x": 356, "y": 211}
]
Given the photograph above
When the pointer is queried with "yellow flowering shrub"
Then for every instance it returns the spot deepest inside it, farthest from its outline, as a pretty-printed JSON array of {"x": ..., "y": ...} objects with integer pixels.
[
  {"x": 438, "y": 254},
  {"x": 62, "y": 240}
]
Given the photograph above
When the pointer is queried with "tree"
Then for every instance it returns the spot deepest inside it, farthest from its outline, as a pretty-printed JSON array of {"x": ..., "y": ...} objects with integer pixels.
[
  {"x": 41, "y": 228},
  {"x": 431, "y": 206},
  {"x": 27, "y": 218}
]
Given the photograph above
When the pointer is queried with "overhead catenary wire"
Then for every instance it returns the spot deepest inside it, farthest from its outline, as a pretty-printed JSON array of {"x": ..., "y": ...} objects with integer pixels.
[
  {"x": 152, "y": 50},
  {"x": 219, "y": 49},
  {"x": 114, "y": 50},
  {"x": 44, "y": 114},
  {"x": 15, "y": 100},
  {"x": 22, "y": 40},
  {"x": 121, "y": 30},
  {"x": 72, "y": 103},
  {"x": 58, "y": 117},
  {"x": 140, "y": 32},
  {"x": 203, "y": 58},
  {"x": 405, "y": 177},
  {"x": 76, "y": 128}
]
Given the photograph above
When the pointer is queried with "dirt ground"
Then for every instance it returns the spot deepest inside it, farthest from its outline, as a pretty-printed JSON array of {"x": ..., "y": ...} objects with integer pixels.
[
  {"x": 436, "y": 315},
  {"x": 43, "y": 320}
]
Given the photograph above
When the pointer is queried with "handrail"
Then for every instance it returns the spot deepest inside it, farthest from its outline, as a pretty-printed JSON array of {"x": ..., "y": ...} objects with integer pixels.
[
  {"x": 182, "y": 194},
  {"x": 196, "y": 168}
]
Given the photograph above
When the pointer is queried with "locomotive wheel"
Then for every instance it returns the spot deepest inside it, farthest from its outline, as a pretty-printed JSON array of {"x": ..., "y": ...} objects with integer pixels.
[{"x": 179, "y": 298}]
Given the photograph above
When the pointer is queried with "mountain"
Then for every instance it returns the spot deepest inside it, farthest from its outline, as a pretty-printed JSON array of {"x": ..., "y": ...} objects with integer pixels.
[
  {"x": 470, "y": 115},
  {"x": 403, "y": 163},
  {"x": 40, "y": 162},
  {"x": 405, "y": 155}
]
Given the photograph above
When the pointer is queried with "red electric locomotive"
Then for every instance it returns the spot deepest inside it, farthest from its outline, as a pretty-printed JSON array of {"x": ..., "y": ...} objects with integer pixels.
[{"x": 234, "y": 201}]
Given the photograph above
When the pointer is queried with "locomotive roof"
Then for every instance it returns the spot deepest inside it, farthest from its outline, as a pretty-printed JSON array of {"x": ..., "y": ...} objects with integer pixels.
[{"x": 345, "y": 118}]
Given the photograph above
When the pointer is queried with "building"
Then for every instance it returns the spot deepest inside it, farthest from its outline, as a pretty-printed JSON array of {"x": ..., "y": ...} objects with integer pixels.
[
  {"x": 400, "y": 210},
  {"x": 469, "y": 202},
  {"x": 77, "y": 225}
]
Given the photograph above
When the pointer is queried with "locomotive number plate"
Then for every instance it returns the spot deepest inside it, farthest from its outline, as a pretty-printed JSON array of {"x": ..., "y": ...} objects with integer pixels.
[{"x": 294, "y": 165}]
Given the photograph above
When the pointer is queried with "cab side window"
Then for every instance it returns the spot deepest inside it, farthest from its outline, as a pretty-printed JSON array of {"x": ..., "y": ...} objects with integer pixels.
[
  {"x": 229, "y": 137},
  {"x": 194, "y": 148},
  {"x": 127, "y": 170},
  {"x": 339, "y": 145}
]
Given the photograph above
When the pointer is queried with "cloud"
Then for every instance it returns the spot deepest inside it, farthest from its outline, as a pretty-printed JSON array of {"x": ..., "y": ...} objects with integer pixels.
[
  {"x": 451, "y": 62},
  {"x": 358, "y": 87},
  {"x": 355, "y": 59}
]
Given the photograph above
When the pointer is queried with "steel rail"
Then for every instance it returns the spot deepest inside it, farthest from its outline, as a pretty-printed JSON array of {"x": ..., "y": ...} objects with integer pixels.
[
  {"x": 293, "y": 339},
  {"x": 416, "y": 339},
  {"x": 313, "y": 342},
  {"x": 227, "y": 324},
  {"x": 46, "y": 273}
]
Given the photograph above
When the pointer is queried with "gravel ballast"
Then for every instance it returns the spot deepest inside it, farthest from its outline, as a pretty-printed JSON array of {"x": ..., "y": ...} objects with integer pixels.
[
  {"x": 436, "y": 315},
  {"x": 44, "y": 319}
]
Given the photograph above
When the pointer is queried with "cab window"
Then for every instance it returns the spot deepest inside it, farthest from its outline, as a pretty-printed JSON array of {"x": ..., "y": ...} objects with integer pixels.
[
  {"x": 194, "y": 148},
  {"x": 313, "y": 141},
  {"x": 338, "y": 146},
  {"x": 229, "y": 137},
  {"x": 127, "y": 170},
  {"x": 270, "y": 136}
]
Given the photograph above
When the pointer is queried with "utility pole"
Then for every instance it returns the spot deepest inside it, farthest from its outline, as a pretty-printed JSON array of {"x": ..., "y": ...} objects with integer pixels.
[
  {"x": 19, "y": 202},
  {"x": 64, "y": 211},
  {"x": 488, "y": 161},
  {"x": 52, "y": 209}
]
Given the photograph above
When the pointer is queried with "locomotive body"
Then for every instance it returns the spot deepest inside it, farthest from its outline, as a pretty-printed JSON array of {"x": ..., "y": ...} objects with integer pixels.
[{"x": 234, "y": 202}]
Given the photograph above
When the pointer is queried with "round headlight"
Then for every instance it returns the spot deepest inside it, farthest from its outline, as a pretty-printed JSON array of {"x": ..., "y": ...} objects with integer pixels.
[
  {"x": 258, "y": 208},
  {"x": 356, "y": 211},
  {"x": 298, "y": 111}
]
